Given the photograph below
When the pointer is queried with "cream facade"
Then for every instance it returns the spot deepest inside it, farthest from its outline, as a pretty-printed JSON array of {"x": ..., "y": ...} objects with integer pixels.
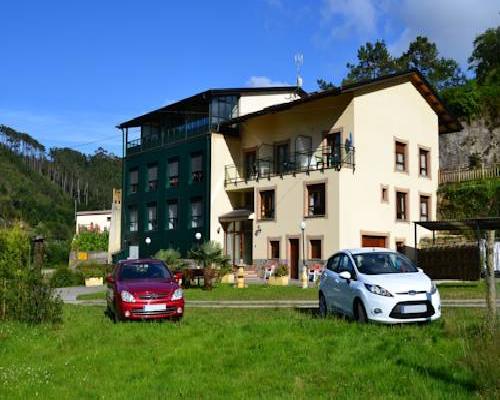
[{"x": 338, "y": 149}]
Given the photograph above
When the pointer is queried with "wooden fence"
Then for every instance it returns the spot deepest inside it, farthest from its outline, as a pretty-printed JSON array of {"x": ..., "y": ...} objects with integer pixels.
[
  {"x": 451, "y": 262},
  {"x": 465, "y": 174}
]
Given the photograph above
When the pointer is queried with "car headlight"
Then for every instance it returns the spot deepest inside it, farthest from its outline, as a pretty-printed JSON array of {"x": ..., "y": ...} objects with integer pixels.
[
  {"x": 433, "y": 288},
  {"x": 376, "y": 289},
  {"x": 178, "y": 294},
  {"x": 127, "y": 297}
]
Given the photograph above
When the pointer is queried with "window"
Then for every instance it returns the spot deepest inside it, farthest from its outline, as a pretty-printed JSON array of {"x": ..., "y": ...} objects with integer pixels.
[
  {"x": 401, "y": 156},
  {"x": 151, "y": 221},
  {"x": 333, "y": 263},
  {"x": 401, "y": 206},
  {"x": 316, "y": 200},
  {"x": 281, "y": 158},
  {"x": 315, "y": 245},
  {"x": 384, "y": 194},
  {"x": 196, "y": 213},
  {"x": 274, "y": 247},
  {"x": 132, "y": 219},
  {"x": 400, "y": 246},
  {"x": 173, "y": 172},
  {"x": 346, "y": 264},
  {"x": 424, "y": 208},
  {"x": 223, "y": 108},
  {"x": 423, "y": 162},
  {"x": 266, "y": 204},
  {"x": 172, "y": 214},
  {"x": 133, "y": 180},
  {"x": 152, "y": 178},
  {"x": 196, "y": 168}
]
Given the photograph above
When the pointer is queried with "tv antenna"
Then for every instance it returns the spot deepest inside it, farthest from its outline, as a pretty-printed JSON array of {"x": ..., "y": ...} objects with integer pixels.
[{"x": 299, "y": 61}]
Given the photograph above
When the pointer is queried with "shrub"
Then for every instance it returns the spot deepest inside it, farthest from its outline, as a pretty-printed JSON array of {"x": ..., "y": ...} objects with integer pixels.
[
  {"x": 57, "y": 252},
  {"x": 90, "y": 241},
  {"x": 282, "y": 270},
  {"x": 172, "y": 258},
  {"x": 94, "y": 270},
  {"x": 209, "y": 254},
  {"x": 65, "y": 277},
  {"x": 35, "y": 302}
]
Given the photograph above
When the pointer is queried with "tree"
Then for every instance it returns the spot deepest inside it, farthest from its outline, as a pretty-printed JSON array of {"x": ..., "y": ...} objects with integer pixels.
[
  {"x": 325, "y": 85},
  {"x": 485, "y": 58},
  {"x": 374, "y": 60},
  {"x": 209, "y": 254},
  {"x": 439, "y": 71}
]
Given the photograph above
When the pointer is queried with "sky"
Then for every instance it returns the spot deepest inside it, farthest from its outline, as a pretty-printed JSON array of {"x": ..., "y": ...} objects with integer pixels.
[{"x": 70, "y": 71}]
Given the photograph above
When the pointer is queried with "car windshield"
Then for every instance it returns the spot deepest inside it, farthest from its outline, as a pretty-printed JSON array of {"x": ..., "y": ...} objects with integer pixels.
[
  {"x": 144, "y": 271},
  {"x": 383, "y": 263}
]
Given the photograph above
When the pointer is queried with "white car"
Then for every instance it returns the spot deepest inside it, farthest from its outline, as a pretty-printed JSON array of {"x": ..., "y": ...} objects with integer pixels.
[{"x": 377, "y": 284}]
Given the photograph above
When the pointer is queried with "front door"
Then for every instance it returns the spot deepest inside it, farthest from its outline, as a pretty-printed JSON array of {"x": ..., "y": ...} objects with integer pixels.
[
  {"x": 332, "y": 149},
  {"x": 294, "y": 258},
  {"x": 373, "y": 241}
]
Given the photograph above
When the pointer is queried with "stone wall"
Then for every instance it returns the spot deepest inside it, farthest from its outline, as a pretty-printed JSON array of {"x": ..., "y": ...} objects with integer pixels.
[{"x": 476, "y": 138}]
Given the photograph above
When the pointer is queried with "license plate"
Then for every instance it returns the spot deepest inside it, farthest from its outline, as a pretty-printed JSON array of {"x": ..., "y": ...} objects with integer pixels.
[
  {"x": 414, "y": 309},
  {"x": 155, "y": 307}
]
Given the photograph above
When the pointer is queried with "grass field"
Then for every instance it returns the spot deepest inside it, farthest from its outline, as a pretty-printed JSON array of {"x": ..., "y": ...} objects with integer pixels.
[
  {"x": 264, "y": 292},
  {"x": 236, "y": 354}
]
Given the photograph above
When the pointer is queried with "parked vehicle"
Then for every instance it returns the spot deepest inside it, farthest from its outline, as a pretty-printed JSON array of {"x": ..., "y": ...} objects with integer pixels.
[
  {"x": 377, "y": 284},
  {"x": 143, "y": 289}
]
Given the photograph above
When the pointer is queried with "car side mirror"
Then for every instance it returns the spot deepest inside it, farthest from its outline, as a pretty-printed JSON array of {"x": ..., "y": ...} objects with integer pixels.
[
  {"x": 110, "y": 279},
  {"x": 345, "y": 275}
]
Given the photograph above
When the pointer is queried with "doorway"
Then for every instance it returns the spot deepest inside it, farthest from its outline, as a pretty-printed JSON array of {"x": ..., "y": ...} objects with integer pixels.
[{"x": 294, "y": 258}]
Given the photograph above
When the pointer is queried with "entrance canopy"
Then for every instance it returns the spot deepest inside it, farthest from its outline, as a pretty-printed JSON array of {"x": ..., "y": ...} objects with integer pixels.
[{"x": 236, "y": 215}]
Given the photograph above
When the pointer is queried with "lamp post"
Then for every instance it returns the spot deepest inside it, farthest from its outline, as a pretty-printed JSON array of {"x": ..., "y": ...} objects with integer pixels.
[
  {"x": 197, "y": 236},
  {"x": 304, "y": 268},
  {"x": 148, "y": 242}
]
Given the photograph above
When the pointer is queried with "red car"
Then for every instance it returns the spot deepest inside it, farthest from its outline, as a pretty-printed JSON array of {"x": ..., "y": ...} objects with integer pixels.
[{"x": 143, "y": 289}]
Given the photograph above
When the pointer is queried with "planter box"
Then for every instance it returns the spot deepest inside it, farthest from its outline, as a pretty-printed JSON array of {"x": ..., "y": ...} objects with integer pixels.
[
  {"x": 228, "y": 278},
  {"x": 94, "y": 282},
  {"x": 278, "y": 280}
]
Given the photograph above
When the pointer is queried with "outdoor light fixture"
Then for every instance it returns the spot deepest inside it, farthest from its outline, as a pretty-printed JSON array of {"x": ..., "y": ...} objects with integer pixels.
[
  {"x": 303, "y": 225},
  {"x": 197, "y": 235},
  {"x": 258, "y": 230},
  {"x": 148, "y": 240}
]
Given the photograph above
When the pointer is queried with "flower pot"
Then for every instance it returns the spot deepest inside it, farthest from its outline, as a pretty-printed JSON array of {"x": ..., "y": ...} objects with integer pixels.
[
  {"x": 228, "y": 278},
  {"x": 94, "y": 281},
  {"x": 278, "y": 280}
]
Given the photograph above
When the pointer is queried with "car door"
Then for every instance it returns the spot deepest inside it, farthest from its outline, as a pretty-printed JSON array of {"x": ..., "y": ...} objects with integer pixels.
[
  {"x": 329, "y": 279},
  {"x": 345, "y": 289},
  {"x": 111, "y": 289}
]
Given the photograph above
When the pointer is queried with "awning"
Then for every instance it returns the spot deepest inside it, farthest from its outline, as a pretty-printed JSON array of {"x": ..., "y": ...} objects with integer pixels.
[
  {"x": 487, "y": 223},
  {"x": 236, "y": 215}
]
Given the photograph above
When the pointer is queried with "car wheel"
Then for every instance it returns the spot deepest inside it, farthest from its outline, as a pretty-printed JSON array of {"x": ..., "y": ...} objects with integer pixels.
[
  {"x": 323, "y": 310},
  {"x": 360, "y": 313}
]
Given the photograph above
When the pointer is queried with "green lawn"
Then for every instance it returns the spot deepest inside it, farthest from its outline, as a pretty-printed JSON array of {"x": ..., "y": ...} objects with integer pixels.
[
  {"x": 236, "y": 354},
  {"x": 264, "y": 292}
]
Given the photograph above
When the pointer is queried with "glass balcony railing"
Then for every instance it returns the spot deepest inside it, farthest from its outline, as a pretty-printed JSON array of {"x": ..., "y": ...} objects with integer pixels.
[{"x": 299, "y": 162}]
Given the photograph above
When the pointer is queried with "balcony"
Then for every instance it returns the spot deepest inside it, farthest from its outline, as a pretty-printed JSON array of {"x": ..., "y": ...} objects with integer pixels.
[
  {"x": 323, "y": 158},
  {"x": 169, "y": 135}
]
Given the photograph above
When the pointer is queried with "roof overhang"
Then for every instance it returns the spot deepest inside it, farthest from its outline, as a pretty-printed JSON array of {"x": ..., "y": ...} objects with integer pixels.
[
  {"x": 447, "y": 121},
  {"x": 236, "y": 215}
]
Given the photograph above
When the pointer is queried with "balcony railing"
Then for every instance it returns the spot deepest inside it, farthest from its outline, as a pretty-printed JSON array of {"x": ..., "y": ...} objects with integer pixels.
[
  {"x": 170, "y": 135},
  {"x": 299, "y": 162}
]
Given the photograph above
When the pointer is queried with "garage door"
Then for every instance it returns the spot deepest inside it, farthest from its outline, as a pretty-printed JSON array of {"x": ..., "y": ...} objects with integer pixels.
[{"x": 373, "y": 241}]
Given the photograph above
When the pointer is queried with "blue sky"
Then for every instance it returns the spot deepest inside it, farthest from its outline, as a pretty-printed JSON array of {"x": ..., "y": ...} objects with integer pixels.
[{"x": 70, "y": 71}]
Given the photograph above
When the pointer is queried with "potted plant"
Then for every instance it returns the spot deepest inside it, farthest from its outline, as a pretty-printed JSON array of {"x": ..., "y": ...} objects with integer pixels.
[
  {"x": 93, "y": 273},
  {"x": 280, "y": 276}
]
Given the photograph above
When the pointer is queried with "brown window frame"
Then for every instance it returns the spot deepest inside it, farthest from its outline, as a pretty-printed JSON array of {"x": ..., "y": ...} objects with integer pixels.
[
  {"x": 274, "y": 245},
  {"x": 398, "y": 146},
  {"x": 311, "y": 188},
  {"x": 405, "y": 213},
  {"x": 263, "y": 215},
  {"x": 427, "y": 199},
  {"x": 427, "y": 169},
  {"x": 312, "y": 250}
]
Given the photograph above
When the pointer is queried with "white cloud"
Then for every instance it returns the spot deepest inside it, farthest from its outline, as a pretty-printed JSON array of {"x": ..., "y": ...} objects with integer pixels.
[
  {"x": 348, "y": 16},
  {"x": 451, "y": 24},
  {"x": 263, "y": 81}
]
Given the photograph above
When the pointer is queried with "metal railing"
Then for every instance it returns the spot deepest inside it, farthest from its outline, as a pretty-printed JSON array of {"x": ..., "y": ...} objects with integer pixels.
[
  {"x": 170, "y": 135},
  {"x": 299, "y": 162}
]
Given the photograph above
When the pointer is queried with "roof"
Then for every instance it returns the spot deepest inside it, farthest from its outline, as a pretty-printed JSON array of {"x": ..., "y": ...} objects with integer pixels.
[
  {"x": 236, "y": 215},
  {"x": 202, "y": 97},
  {"x": 447, "y": 121},
  {"x": 488, "y": 223},
  {"x": 98, "y": 212}
]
